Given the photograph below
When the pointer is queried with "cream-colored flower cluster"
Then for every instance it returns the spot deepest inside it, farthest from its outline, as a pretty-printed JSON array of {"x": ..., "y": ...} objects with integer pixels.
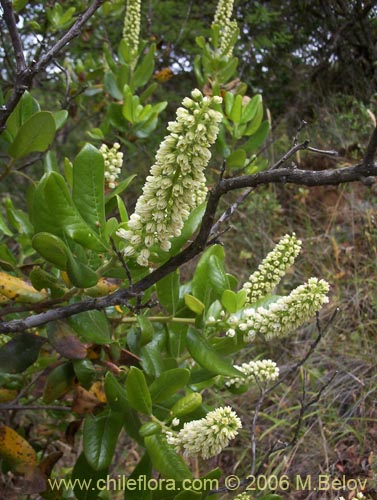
[
  {"x": 176, "y": 184},
  {"x": 272, "y": 268},
  {"x": 227, "y": 27},
  {"x": 131, "y": 26},
  {"x": 260, "y": 371},
  {"x": 287, "y": 313},
  {"x": 207, "y": 436},
  {"x": 113, "y": 159}
]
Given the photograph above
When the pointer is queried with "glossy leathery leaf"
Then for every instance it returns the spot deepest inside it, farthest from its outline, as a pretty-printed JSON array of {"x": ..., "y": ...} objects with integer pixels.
[
  {"x": 217, "y": 275},
  {"x": 54, "y": 212},
  {"x": 20, "y": 352},
  {"x": 205, "y": 355},
  {"x": 202, "y": 288},
  {"x": 250, "y": 110},
  {"x": 149, "y": 428},
  {"x": 3, "y": 227},
  {"x": 88, "y": 187},
  {"x": 83, "y": 471},
  {"x": 187, "y": 404},
  {"x": 137, "y": 391},
  {"x": 36, "y": 134},
  {"x": 116, "y": 394},
  {"x": 168, "y": 292},
  {"x": 51, "y": 248},
  {"x": 258, "y": 138},
  {"x": 194, "y": 304},
  {"x": 100, "y": 435},
  {"x": 58, "y": 382},
  {"x": 168, "y": 383},
  {"x": 236, "y": 159},
  {"x": 64, "y": 340},
  {"x": 84, "y": 371},
  {"x": 25, "y": 109},
  {"x": 92, "y": 326},
  {"x": 164, "y": 458},
  {"x": 81, "y": 275},
  {"x": 233, "y": 301}
]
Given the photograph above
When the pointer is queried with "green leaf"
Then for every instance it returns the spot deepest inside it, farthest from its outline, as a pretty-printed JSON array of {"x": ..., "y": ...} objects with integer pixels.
[
  {"x": 187, "y": 404},
  {"x": 138, "y": 392},
  {"x": 100, "y": 435},
  {"x": 18, "y": 218},
  {"x": 51, "y": 248},
  {"x": 54, "y": 212},
  {"x": 235, "y": 114},
  {"x": 92, "y": 326},
  {"x": 25, "y": 109},
  {"x": 194, "y": 304},
  {"x": 164, "y": 458},
  {"x": 79, "y": 273},
  {"x": 217, "y": 275},
  {"x": 116, "y": 394},
  {"x": 249, "y": 111},
  {"x": 3, "y": 227},
  {"x": 255, "y": 142},
  {"x": 229, "y": 101},
  {"x": 36, "y": 134},
  {"x": 111, "y": 86},
  {"x": 58, "y": 382},
  {"x": 42, "y": 279},
  {"x": 236, "y": 159},
  {"x": 257, "y": 120},
  {"x": 85, "y": 372},
  {"x": 205, "y": 355},
  {"x": 82, "y": 471},
  {"x": 168, "y": 292},
  {"x": 202, "y": 289},
  {"x": 20, "y": 353},
  {"x": 168, "y": 383},
  {"x": 144, "y": 70},
  {"x": 88, "y": 186},
  {"x": 229, "y": 301},
  {"x": 60, "y": 118}
]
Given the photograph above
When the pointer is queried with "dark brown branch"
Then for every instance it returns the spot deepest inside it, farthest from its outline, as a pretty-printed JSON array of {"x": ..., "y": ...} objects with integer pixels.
[
  {"x": 10, "y": 20},
  {"x": 25, "y": 76},
  {"x": 360, "y": 172}
]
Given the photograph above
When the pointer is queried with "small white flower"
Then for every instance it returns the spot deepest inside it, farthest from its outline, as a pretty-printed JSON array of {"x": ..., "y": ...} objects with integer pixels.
[{"x": 175, "y": 422}]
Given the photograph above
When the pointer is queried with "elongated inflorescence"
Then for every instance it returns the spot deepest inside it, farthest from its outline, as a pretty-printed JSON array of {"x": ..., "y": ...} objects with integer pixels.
[
  {"x": 261, "y": 371},
  {"x": 272, "y": 268},
  {"x": 131, "y": 27},
  {"x": 209, "y": 435},
  {"x": 287, "y": 313},
  {"x": 227, "y": 27},
  {"x": 113, "y": 159},
  {"x": 176, "y": 184}
]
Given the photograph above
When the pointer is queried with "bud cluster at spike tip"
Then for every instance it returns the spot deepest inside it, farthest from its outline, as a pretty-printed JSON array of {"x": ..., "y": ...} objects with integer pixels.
[
  {"x": 272, "y": 268},
  {"x": 131, "y": 26},
  {"x": 113, "y": 163}
]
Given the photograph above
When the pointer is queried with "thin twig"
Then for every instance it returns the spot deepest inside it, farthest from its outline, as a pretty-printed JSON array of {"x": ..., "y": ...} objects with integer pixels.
[
  {"x": 24, "y": 77},
  {"x": 10, "y": 20}
]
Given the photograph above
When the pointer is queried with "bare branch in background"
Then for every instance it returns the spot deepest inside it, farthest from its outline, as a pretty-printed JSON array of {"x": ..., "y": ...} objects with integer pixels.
[{"x": 26, "y": 74}]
